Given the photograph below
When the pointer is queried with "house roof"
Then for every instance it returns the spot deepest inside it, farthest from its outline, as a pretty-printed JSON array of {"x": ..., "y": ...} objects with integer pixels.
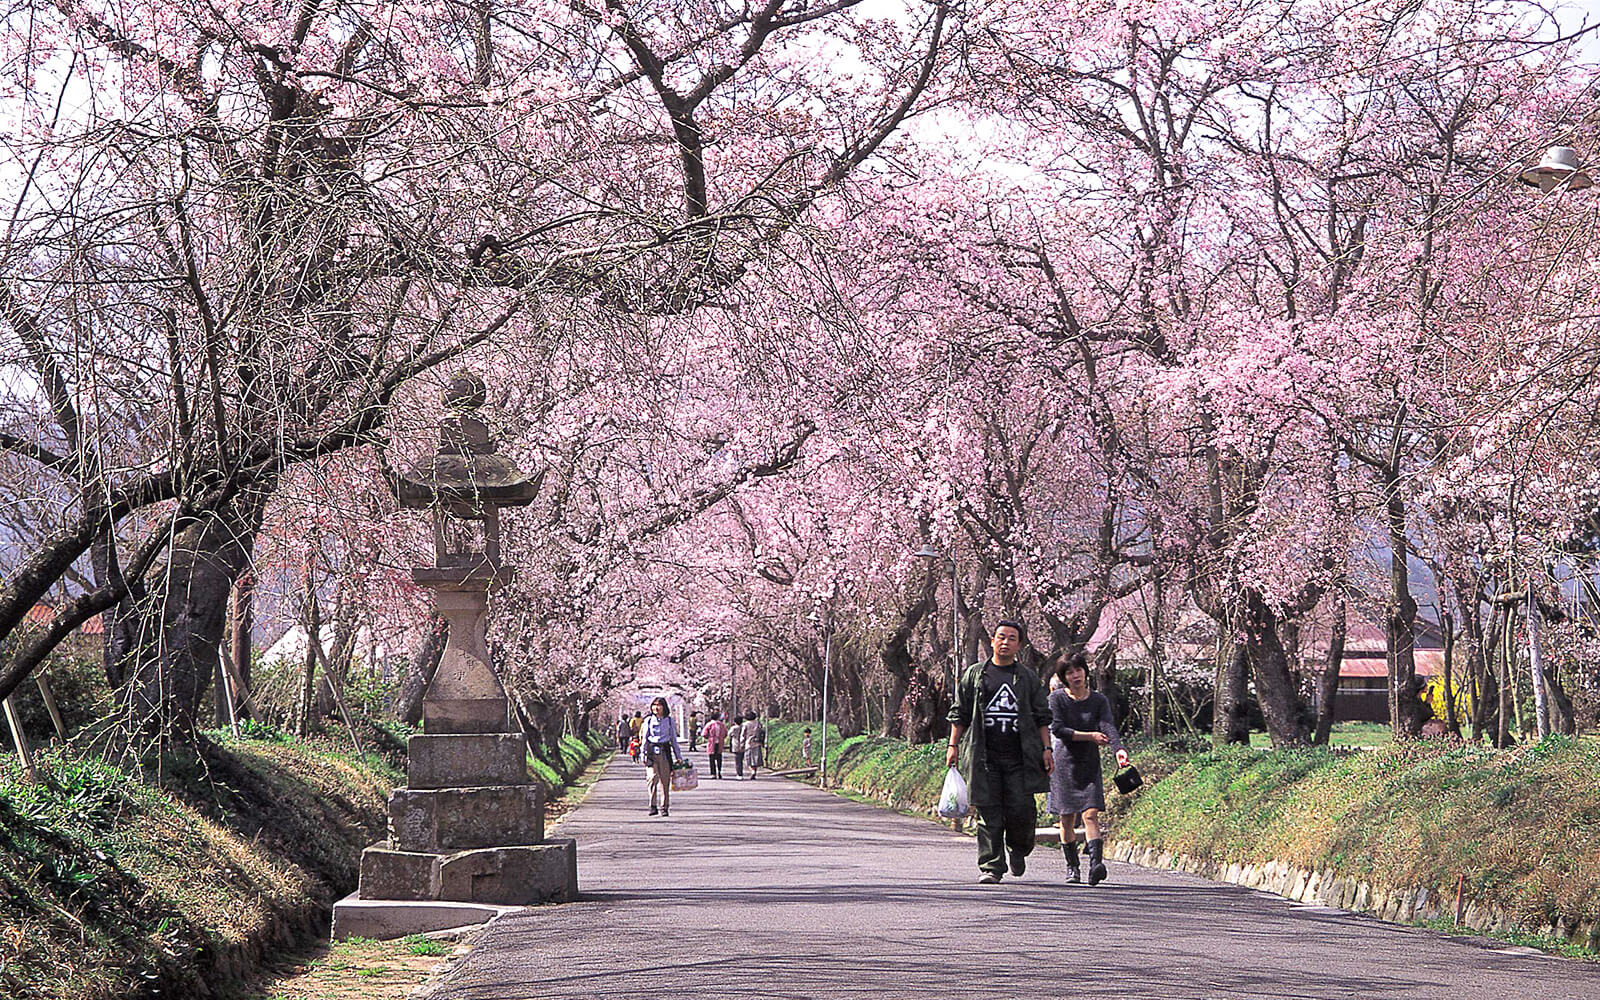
[
  {"x": 43, "y": 614},
  {"x": 1430, "y": 663}
]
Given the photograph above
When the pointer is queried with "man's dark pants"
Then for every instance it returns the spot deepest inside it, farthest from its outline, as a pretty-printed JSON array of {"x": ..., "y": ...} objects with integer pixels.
[
  {"x": 738, "y": 763},
  {"x": 715, "y": 760},
  {"x": 1007, "y": 816}
]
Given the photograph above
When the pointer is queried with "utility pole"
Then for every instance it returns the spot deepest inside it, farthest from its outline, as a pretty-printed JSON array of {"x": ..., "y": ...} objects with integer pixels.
[
  {"x": 1541, "y": 709},
  {"x": 827, "y": 661}
]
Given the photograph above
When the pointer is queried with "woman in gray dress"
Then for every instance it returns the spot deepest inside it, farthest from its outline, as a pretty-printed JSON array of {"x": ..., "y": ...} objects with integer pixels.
[{"x": 1080, "y": 724}]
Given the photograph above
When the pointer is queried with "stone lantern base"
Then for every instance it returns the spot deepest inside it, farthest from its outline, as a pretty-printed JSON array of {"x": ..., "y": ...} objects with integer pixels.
[
  {"x": 466, "y": 835},
  {"x": 468, "y": 831}
]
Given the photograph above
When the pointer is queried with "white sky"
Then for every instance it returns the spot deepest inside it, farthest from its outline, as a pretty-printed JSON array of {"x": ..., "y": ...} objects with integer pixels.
[{"x": 1576, "y": 12}]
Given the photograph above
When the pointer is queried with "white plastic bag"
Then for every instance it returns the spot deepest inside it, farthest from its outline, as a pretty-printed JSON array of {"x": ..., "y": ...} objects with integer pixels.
[
  {"x": 684, "y": 778},
  {"x": 953, "y": 799}
]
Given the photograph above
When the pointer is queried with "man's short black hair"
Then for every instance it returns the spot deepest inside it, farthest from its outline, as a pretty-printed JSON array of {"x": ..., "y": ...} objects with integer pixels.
[{"x": 1022, "y": 630}]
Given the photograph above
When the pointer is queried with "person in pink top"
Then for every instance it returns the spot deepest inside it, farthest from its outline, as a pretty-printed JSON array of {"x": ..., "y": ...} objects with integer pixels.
[{"x": 715, "y": 733}]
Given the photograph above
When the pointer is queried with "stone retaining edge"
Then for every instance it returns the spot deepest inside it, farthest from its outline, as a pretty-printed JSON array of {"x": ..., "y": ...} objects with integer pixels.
[{"x": 1343, "y": 892}]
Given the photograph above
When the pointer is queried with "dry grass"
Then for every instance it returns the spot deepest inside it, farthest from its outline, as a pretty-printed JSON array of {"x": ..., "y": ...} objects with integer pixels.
[{"x": 117, "y": 882}]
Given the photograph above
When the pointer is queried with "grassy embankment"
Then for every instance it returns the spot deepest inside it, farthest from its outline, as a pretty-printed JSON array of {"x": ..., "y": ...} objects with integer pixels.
[
  {"x": 180, "y": 877},
  {"x": 1520, "y": 827}
]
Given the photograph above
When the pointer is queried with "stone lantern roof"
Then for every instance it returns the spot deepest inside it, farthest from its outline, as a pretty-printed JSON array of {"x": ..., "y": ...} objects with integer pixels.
[{"x": 465, "y": 476}]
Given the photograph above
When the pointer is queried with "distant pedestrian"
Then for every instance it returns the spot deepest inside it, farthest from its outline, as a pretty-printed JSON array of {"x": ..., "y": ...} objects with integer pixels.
[
  {"x": 716, "y": 733},
  {"x": 805, "y": 745},
  {"x": 694, "y": 730},
  {"x": 661, "y": 751},
  {"x": 755, "y": 743},
  {"x": 1002, "y": 712},
  {"x": 1081, "y": 724},
  {"x": 736, "y": 744}
]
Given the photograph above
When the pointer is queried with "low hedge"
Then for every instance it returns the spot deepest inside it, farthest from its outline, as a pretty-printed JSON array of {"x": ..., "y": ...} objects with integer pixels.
[{"x": 555, "y": 767}]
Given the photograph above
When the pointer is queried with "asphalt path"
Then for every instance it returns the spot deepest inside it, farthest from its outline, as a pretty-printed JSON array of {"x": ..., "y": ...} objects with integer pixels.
[{"x": 772, "y": 888}]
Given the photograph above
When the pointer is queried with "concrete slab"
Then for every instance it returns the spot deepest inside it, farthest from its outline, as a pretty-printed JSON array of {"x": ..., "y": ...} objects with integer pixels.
[
  {"x": 460, "y": 760},
  {"x": 390, "y": 874},
  {"x": 385, "y": 919},
  {"x": 540, "y": 873},
  {"x": 456, "y": 819}
]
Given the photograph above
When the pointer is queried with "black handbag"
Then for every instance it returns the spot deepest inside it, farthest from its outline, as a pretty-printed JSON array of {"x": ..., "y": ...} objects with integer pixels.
[{"x": 1127, "y": 779}]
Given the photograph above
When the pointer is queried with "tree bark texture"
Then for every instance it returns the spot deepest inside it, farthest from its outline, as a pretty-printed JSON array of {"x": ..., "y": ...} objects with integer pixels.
[
  {"x": 1328, "y": 677},
  {"x": 1229, "y": 720},
  {"x": 1405, "y": 705},
  {"x": 1276, "y": 690},
  {"x": 170, "y": 651},
  {"x": 898, "y": 661},
  {"x": 408, "y": 703}
]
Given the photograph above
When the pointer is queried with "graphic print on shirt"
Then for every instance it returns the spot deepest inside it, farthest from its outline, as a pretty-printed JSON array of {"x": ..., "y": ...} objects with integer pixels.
[{"x": 1000, "y": 714}]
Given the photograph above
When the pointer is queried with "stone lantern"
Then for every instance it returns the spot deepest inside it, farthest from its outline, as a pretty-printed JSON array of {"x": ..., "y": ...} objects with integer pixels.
[{"x": 466, "y": 834}]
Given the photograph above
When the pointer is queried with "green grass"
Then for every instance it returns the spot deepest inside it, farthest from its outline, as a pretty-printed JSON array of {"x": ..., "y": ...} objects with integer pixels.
[
  {"x": 417, "y": 944},
  {"x": 1344, "y": 734},
  {"x": 121, "y": 881},
  {"x": 1522, "y": 826}
]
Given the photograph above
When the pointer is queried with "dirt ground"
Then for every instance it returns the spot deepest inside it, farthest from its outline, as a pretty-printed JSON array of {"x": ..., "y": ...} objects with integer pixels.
[{"x": 357, "y": 969}]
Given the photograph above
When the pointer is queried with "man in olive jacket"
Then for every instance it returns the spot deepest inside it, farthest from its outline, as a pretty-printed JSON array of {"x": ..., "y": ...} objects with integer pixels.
[{"x": 1003, "y": 706}]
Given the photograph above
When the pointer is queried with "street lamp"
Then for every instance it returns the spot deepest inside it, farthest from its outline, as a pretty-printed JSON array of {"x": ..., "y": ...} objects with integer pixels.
[
  {"x": 1557, "y": 169},
  {"x": 929, "y": 552}
]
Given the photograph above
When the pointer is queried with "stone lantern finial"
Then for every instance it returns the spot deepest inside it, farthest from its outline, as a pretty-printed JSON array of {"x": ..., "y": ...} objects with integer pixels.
[{"x": 465, "y": 483}]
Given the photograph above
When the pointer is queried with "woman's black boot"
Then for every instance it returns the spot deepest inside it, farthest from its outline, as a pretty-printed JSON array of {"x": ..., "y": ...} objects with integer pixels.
[
  {"x": 1069, "y": 850},
  {"x": 1097, "y": 864}
]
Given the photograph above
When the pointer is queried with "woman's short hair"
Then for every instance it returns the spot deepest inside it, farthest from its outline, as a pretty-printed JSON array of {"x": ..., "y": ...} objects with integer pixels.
[{"x": 658, "y": 700}]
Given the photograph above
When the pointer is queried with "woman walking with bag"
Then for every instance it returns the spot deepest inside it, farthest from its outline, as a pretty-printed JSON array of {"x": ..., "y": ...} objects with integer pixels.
[
  {"x": 661, "y": 751},
  {"x": 1080, "y": 722}
]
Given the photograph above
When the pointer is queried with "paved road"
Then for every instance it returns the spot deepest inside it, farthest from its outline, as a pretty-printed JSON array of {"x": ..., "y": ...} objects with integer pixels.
[{"x": 774, "y": 889}]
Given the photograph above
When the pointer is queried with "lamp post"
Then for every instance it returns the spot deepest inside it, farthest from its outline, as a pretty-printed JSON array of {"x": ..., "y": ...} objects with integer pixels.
[
  {"x": 1558, "y": 170},
  {"x": 929, "y": 552},
  {"x": 827, "y": 665}
]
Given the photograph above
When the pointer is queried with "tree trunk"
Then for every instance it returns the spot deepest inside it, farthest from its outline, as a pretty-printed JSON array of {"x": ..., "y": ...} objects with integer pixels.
[
  {"x": 170, "y": 648},
  {"x": 1562, "y": 717},
  {"x": 896, "y": 655},
  {"x": 1480, "y": 684},
  {"x": 1276, "y": 690},
  {"x": 237, "y": 649},
  {"x": 1328, "y": 678},
  {"x": 1156, "y": 652},
  {"x": 242, "y": 627},
  {"x": 306, "y": 707},
  {"x": 1405, "y": 705},
  {"x": 419, "y": 674},
  {"x": 1229, "y": 705},
  {"x": 1502, "y": 737},
  {"x": 1449, "y": 623}
]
